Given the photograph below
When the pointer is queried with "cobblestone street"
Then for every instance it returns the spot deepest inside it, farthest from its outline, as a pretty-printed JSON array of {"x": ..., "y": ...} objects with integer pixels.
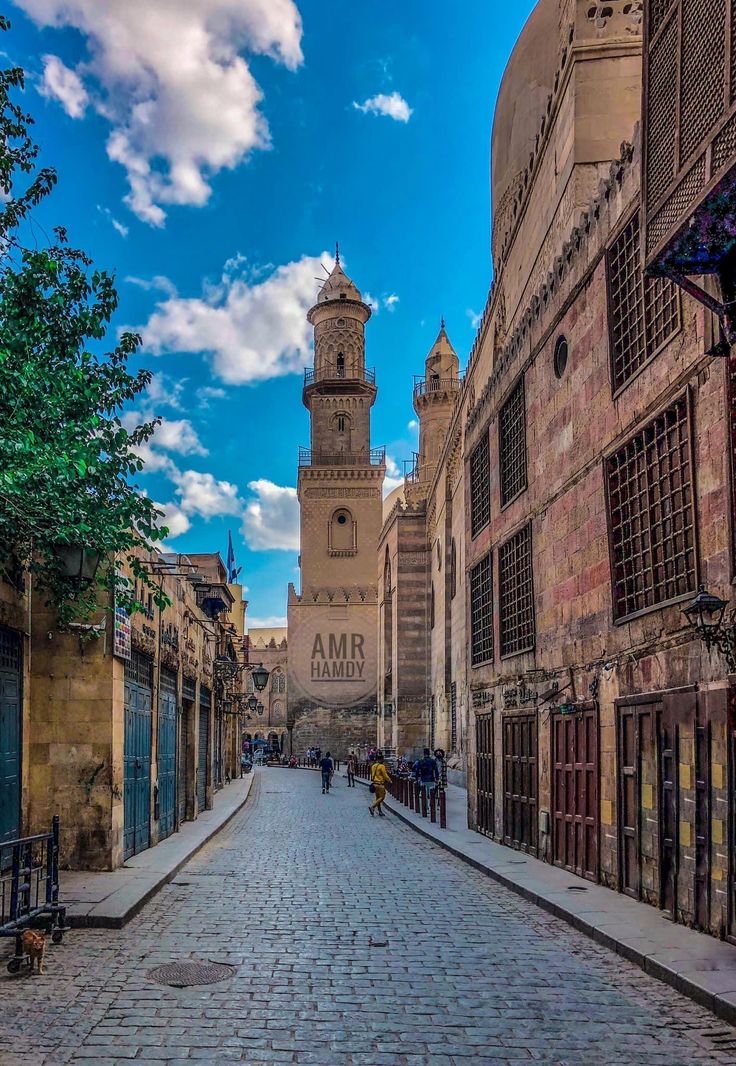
[{"x": 355, "y": 941}]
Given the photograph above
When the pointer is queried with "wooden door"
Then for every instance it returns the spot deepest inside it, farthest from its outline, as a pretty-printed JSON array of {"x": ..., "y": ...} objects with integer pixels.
[
  {"x": 485, "y": 774},
  {"x": 520, "y": 781},
  {"x": 137, "y": 756},
  {"x": 575, "y": 792},
  {"x": 667, "y": 744},
  {"x": 166, "y": 753}
]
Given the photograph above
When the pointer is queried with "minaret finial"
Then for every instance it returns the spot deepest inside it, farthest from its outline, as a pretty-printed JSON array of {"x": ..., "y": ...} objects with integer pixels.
[
  {"x": 337, "y": 254},
  {"x": 442, "y": 322}
]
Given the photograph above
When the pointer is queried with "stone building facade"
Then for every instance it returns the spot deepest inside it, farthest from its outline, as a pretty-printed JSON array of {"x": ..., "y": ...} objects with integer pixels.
[
  {"x": 270, "y": 647},
  {"x": 332, "y": 620},
  {"x": 122, "y": 726},
  {"x": 582, "y": 493}
]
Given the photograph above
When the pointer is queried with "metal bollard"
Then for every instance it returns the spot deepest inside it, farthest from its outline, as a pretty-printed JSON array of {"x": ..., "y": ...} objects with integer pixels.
[
  {"x": 424, "y": 801},
  {"x": 443, "y": 809},
  {"x": 433, "y": 805}
]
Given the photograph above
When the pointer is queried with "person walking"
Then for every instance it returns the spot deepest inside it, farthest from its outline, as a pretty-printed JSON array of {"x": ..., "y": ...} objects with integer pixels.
[
  {"x": 426, "y": 772},
  {"x": 379, "y": 779},
  {"x": 327, "y": 766},
  {"x": 351, "y": 767}
]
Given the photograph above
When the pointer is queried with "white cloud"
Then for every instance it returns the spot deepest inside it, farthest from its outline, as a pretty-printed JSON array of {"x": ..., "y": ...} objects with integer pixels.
[
  {"x": 63, "y": 84},
  {"x": 390, "y": 302},
  {"x": 164, "y": 391},
  {"x": 170, "y": 79},
  {"x": 271, "y": 520},
  {"x": 178, "y": 435},
  {"x": 116, "y": 225},
  {"x": 273, "y": 621},
  {"x": 251, "y": 330},
  {"x": 154, "y": 462},
  {"x": 392, "y": 105},
  {"x": 475, "y": 318},
  {"x": 158, "y": 283},
  {"x": 174, "y": 519},
  {"x": 207, "y": 393},
  {"x": 371, "y": 301},
  {"x": 393, "y": 477},
  {"x": 202, "y": 494},
  {"x": 413, "y": 426}
]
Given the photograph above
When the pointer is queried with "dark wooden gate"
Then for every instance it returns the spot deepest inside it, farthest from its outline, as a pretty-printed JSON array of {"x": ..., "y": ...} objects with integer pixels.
[
  {"x": 650, "y": 801},
  {"x": 667, "y": 744},
  {"x": 137, "y": 755},
  {"x": 11, "y": 652},
  {"x": 485, "y": 774},
  {"x": 189, "y": 695},
  {"x": 702, "y": 824},
  {"x": 575, "y": 829},
  {"x": 166, "y": 753},
  {"x": 520, "y": 781},
  {"x": 203, "y": 751}
]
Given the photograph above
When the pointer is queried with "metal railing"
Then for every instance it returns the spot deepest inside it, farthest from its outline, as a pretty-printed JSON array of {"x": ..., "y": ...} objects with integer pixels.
[
  {"x": 339, "y": 373},
  {"x": 375, "y": 457},
  {"x": 423, "y": 386},
  {"x": 411, "y": 469},
  {"x": 29, "y": 889},
  {"x": 431, "y": 803}
]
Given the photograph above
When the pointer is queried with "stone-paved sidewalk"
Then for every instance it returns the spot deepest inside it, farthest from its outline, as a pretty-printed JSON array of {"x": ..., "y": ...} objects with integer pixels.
[
  {"x": 355, "y": 942},
  {"x": 109, "y": 900},
  {"x": 696, "y": 964}
]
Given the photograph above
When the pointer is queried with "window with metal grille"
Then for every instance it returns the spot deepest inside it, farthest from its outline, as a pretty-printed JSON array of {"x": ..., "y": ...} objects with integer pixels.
[
  {"x": 480, "y": 488},
  {"x": 10, "y": 649},
  {"x": 516, "y": 593},
  {"x": 512, "y": 445},
  {"x": 139, "y": 669},
  {"x": 481, "y": 612},
  {"x": 644, "y": 312},
  {"x": 652, "y": 517},
  {"x": 453, "y": 569},
  {"x": 453, "y": 716}
]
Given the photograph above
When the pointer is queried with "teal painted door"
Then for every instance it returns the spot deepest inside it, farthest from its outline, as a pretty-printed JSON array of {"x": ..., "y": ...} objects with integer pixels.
[
  {"x": 137, "y": 756},
  {"x": 204, "y": 730},
  {"x": 10, "y": 711},
  {"x": 166, "y": 754}
]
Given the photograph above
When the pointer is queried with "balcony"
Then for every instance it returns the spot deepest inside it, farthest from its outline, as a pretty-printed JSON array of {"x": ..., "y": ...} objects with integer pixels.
[
  {"x": 339, "y": 373},
  {"x": 376, "y": 457},
  {"x": 423, "y": 387}
]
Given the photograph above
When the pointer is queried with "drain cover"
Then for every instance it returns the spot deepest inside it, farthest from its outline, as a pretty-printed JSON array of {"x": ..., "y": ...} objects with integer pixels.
[{"x": 184, "y": 974}]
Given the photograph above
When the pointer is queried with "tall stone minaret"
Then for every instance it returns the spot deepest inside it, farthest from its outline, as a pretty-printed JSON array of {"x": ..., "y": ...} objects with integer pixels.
[
  {"x": 434, "y": 400},
  {"x": 333, "y": 621}
]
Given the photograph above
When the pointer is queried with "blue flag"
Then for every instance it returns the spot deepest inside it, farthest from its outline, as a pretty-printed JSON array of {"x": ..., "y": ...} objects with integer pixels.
[{"x": 232, "y": 573}]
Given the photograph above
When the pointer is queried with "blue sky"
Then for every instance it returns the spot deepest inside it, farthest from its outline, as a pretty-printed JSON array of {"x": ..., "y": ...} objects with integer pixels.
[{"x": 209, "y": 153}]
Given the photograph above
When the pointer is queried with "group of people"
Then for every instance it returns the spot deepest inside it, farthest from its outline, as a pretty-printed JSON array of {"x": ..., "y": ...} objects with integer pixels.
[{"x": 426, "y": 771}]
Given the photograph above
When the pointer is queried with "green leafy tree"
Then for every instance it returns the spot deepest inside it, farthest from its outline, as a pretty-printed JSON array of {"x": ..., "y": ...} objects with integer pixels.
[{"x": 65, "y": 456}]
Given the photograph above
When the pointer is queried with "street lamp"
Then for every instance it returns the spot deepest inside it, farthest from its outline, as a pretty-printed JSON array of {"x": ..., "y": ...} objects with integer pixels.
[
  {"x": 252, "y": 703},
  {"x": 260, "y": 677},
  {"x": 260, "y": 708},
  {"x": 705, "y": 615},
  {"x": 78, "y": 564}
]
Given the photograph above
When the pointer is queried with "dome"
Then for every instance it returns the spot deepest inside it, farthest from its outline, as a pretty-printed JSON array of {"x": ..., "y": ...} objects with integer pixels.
[
  {"x": 338, "y": 287},
  {"x": 397, "y": 495},
  {"x": 522, "y": 101}
]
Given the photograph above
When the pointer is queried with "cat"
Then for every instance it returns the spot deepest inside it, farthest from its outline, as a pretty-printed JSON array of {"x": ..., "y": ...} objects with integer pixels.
[{"x": 34, "y": 945}]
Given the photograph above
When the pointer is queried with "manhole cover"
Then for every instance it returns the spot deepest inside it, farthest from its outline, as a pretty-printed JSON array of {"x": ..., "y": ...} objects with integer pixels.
[{"x": 184, "y": 974}]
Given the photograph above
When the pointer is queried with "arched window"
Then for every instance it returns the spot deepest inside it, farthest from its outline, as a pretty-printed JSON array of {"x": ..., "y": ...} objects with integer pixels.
[
  {"x": 340, "y": 365},
  {"x": 278, "y": 681},
  {"x": 250, "y": 686},
  {"x": 431, "y": 607},
  {"x": 343, "y": 533}
]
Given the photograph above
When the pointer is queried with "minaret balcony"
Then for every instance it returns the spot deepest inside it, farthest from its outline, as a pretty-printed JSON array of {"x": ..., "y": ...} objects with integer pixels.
[
  {"x": 375, "y": 457},
  {"x": 338, "y": 375},
  {"x": 431, "y": 386}
]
